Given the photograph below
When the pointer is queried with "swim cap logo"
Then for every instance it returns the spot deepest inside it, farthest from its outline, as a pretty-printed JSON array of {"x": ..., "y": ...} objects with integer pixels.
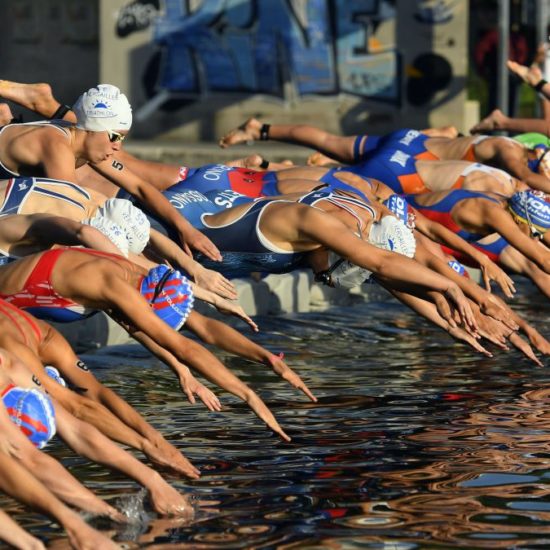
[{"x": 101, "y": 109}]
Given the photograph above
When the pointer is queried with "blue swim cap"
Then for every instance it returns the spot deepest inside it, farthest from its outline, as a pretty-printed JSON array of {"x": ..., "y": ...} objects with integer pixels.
[
  {"x": 169, "y": 294},
  {"x": 33, "y": 412},
  {"x": 402, "y": 209},
  {"x": 531, "y": 207}
]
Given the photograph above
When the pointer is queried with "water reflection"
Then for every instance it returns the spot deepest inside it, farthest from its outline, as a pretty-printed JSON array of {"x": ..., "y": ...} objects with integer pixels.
[{"x": 415, "y": 443}]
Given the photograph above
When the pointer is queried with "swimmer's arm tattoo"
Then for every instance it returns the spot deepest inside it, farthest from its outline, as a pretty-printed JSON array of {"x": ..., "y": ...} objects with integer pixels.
[{"x": 117, "y": 165}]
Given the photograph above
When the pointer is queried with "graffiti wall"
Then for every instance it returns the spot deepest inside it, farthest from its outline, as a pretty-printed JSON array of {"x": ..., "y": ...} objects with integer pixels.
[{"x": 381, "y": 52}]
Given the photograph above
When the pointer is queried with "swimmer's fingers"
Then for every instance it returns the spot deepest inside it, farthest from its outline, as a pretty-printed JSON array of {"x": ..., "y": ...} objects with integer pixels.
[
  {"x": 462, "y": 336},
  {"x": 536, "y": 339},
  {"x": 286, "y": 373},
  {"x": 216, "y": 282},
  {"x": 525, "y": 348},
  {"x": 209, "y": 398},
  {"x": 263, "y": 413},
  {"x": 498, "y": 313},
  {"x": 444, "y": 309},
  {"x": 194, "y": 239},
  {"x": 463, "y": 307},
  {"x": 230, "y": 308},
  {"x": 191, "y": 387}
]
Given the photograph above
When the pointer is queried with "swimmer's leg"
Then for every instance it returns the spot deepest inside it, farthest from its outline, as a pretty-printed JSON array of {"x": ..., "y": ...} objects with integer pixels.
[
  {"x": 35, "y": 97},
  {"x": 337, "y": 147}
]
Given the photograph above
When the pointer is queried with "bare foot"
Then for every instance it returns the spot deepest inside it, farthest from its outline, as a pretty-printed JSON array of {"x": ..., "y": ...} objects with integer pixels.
[
  {"x": 257, "y": 162},
  {"x": 36, "y": 97},
  {"x": 5, "y": 114},
  {"x": 248, "y": 131},
  {"x": 252, "y": 161},
  {"x": 318, "y": 159},
  {"x": 494, "y": 121}
]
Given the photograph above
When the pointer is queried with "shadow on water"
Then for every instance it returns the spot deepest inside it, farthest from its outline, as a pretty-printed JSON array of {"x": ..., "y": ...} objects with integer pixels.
[{"x": 416, "y": 442}]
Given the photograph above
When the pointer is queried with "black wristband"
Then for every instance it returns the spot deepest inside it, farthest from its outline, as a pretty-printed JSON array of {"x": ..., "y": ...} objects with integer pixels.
[
  {"x": 62, "y": 110},
  {"x": 264, "y": 132},
  {"x": 264, "y": 165},
  {"x": 540, "y": 84}
]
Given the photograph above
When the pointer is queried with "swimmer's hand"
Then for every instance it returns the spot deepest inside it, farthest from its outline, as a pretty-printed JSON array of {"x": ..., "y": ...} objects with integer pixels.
[
  {"x": 215, "y": 282},
  {"x": 280, "y": 368},
  {"x": 166, "y": 456},
  {"x": 494, "y": 310},
  {"x": 231, "y": 308},
  {"x": 530, "y": 75},
  {"x": 167, "y": 501},
  {"x": 460, "y": 302},
  {"x": 261, "y": 410},
  {"x": 492, "y": 272},
  {"x": 191, "y": 387},
  {"x": 84, "y": 537},
  {"x": 192, "y": 238},
  {"x": 462, "y": 336},
  {"x": 536, "y": 339},
  {"x": 525, "y": 348}
]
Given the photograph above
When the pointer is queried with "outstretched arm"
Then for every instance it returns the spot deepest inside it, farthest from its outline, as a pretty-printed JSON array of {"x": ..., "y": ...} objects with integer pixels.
[
  {"x": 167, "y": 249},
  {"x": 21, "y": 484},
  {"x": 57, "y": 352},
  {"x": 225, "y": 337},
  {"x": 214, "y": 371},
  {"x": 442, "y": 235},
  {"x": 46, "y": 230},
  {"x": 88, "y": 441},
  {"x": 158, "y": 204}
]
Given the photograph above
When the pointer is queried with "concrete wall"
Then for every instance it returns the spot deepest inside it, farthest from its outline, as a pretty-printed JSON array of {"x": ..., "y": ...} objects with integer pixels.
[
  {"x": 53, "y": 41},
  {"x": 195, "y": 69}
]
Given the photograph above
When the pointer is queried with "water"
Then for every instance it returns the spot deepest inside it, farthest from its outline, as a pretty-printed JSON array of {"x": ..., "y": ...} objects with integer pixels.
[{"x": 416, "y": 442}]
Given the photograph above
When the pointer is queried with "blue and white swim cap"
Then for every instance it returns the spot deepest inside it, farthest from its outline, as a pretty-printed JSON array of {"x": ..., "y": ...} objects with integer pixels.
[
  {"x": 33, "y": 412},
  {"x": 169, "y": 294},
  {"x": 399, "y": 206},
  {"x": 531, "y": 207}
]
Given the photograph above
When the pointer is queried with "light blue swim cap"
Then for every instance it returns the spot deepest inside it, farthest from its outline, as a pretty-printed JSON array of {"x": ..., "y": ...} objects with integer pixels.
[
  {"x": 169, "y": 293},
  {"x": 33, "y": 412},
  {"x": 531, "y": 207}
]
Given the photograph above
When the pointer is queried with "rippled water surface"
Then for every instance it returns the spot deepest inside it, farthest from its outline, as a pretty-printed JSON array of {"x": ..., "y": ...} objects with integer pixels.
[{"x": 416, "y": 442}]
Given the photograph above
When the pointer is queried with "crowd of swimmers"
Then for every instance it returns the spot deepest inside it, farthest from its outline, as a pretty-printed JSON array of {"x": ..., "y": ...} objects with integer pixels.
[{"x": 87, "y": 227}]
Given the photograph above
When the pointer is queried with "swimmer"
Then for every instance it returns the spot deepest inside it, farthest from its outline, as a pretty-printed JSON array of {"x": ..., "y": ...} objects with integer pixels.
[
  {"x": 518, "y": 222},
  {"x": 69, "y": 284},
  {"x": 499, "y": 152},
  {"x": 38, "y": 343},
  {"x": 57, "y": 148},
  {"x": 279, "y": 236},
  {"x": 27, "y": 196},
  {"x": 22, "y": 397}
]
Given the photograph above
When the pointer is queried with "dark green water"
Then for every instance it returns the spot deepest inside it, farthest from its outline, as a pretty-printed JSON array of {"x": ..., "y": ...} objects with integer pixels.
[{"x": 416, "y": 442}]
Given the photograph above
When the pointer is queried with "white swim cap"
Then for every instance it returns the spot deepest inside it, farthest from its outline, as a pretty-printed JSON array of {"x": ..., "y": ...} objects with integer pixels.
[
  {"x": 112, "y": 231},
  {"x": 392, "y": 234},
  {"x": 102, "y": 108},
  {"x": 131, "y": 219},
  {"x": 345, "y": 274}
]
